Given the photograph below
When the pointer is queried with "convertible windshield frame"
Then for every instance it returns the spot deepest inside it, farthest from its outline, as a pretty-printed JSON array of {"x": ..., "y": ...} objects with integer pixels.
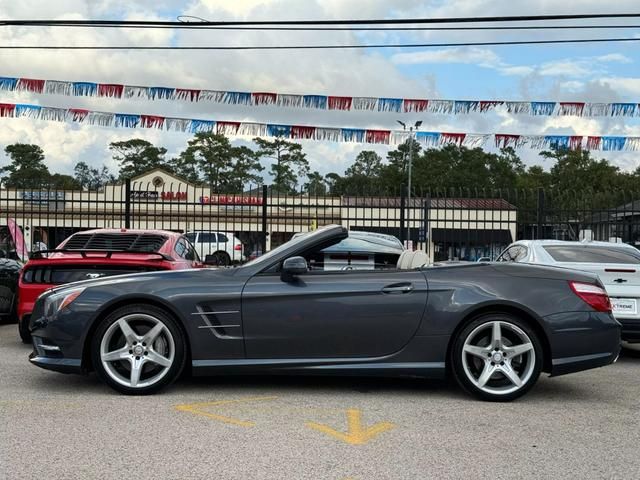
[{"x": 304, "y": 241}]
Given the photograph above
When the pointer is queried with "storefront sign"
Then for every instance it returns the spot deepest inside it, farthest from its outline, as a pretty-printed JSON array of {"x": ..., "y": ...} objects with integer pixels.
[
  {"x": 174, "y": 195},
  {"x": 144, "y": 195},
  {"x": 155, "y": 195},
  {"x": 231, "y": 200},
  {"x": 41, "y": 197}
]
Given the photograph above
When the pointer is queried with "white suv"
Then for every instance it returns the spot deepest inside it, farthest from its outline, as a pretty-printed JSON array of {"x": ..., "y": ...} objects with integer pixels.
[{"x": 224, "y": 247}]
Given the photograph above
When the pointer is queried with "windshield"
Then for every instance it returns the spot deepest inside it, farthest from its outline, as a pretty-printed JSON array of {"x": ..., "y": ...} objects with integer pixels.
[{"x": 266, "y": 258}]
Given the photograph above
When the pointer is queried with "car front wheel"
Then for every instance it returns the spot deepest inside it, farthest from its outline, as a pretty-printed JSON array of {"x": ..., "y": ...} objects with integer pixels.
[
  {"x": 497, "y": 357},
  {"x": 138, "y": 349}
]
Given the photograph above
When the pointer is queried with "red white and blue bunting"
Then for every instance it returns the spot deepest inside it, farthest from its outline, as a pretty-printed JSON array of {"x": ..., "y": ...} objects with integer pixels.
[
  {"x": 308, "y": 132},
  {"x": 318, "y": 102}
]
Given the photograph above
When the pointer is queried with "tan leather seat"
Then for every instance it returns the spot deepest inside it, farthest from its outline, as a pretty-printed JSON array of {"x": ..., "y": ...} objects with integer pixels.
[
  {"x": 419, "y": 259},
  {"x": 402, "y": 259}
]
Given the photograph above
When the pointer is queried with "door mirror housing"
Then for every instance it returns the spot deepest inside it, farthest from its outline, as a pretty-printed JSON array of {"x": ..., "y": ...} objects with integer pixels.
[{"x": 293, "y": 266}]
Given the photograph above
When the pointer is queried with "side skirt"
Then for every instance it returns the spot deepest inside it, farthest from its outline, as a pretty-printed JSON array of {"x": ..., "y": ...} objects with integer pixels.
[{"x": 339, "y": 367}]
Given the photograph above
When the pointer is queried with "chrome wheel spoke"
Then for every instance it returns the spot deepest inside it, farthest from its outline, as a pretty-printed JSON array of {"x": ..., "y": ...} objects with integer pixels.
[
  {"x": 486, "y": 374},
  {"x": 158, "y": 359},
  {"x": 136, "y": 370},
  {"x": 127, "y": 331},
  {"x": 152, "y": 334},
  {"x": 517, "y": 350},
  {"x": 115, "y": 355},
  {"x": 496, "y": 335},
  {"x": 481, "y": 352},
  {"x": 511, "y": 374}
]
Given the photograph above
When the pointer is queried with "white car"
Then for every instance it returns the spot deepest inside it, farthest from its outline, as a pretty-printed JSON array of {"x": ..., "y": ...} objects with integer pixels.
[
  {"x": 223, "y": 248},
  {"x": 617, "y": 265}
]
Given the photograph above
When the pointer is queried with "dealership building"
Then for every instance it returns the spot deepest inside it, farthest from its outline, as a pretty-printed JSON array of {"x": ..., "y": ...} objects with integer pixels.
[{"x": 446, "y": 228}]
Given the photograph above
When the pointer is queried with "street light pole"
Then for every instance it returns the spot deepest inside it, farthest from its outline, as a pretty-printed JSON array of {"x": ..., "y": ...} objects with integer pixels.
[{"x": 412, "y": 130}]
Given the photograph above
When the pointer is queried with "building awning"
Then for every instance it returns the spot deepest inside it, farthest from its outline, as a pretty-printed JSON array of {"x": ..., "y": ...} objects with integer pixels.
[{"x": 471, "y": 236}]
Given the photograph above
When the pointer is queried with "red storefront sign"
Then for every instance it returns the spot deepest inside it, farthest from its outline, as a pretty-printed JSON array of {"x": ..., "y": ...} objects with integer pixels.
[
  {"x": 173, "y": 195},
  {"x": 231, "y": 200}
]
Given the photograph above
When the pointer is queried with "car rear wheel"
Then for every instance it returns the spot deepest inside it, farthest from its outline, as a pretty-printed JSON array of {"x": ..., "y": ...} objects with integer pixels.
[
  {"x": 497, "y": 357},
  {"x": 222, "y": 258},
  {"x": 138, "y": 350}
]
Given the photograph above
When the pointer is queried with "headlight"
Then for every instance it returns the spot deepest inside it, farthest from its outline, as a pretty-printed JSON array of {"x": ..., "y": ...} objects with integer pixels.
[{"x": 59, "y": 301}]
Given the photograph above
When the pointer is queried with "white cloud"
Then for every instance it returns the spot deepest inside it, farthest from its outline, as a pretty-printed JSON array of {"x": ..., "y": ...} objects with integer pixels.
[
  {"x": 477, "y": 56},
  {"x": 624, "y": 85}
]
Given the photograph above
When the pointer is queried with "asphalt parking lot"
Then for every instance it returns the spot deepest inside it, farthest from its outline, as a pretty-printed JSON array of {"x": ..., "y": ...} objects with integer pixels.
[{"x": 585, "y": 425}]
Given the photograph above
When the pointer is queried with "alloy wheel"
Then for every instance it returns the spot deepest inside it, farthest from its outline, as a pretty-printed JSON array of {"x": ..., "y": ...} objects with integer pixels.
[
  {"x": 137, "y": 350},
  {"x": 498, "y": 357}
]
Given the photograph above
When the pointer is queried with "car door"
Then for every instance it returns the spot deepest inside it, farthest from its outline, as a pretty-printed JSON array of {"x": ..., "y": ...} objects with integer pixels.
[{"x": 332, "y": 314}]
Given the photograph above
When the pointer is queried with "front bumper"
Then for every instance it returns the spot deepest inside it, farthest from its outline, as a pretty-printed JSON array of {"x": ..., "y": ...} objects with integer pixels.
[{"x": 49, "y": 356}]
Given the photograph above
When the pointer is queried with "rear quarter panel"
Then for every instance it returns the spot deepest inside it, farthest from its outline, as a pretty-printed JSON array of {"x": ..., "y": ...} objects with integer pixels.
[{"x": 456, "y": 292}]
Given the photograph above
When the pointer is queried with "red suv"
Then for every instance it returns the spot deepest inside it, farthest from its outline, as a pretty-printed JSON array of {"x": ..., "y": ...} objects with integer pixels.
[{"x": 100, "y": 253}]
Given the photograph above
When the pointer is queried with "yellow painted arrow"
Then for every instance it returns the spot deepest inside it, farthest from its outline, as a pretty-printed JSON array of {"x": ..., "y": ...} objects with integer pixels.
[
  {"x": 198, "y": 409},
  {"x": 356, "y": 434}
]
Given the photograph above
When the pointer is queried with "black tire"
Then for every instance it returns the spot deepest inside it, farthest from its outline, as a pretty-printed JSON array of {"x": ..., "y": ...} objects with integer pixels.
[
  {"x": 23, "y": 329},
  {"x": 222, "y": 259},
  {"x": 466, "y": 366},
  {"x": 131, "y": 312}
]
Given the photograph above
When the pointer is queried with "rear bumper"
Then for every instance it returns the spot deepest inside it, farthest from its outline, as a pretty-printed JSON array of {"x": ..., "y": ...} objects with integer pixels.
[
  {"x": 562, "y": 366},
  {"x": 630, "y": 330},
  {"x": 582, "y": 340}
]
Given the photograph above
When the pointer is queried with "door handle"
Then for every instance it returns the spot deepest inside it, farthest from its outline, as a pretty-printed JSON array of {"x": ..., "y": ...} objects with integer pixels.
[{"x": 398, "y": 288}]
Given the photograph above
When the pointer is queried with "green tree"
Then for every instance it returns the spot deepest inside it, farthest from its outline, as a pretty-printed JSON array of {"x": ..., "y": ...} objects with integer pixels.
[
  {"x": 92, "y": 178},
  {"x": 211, "y": 159},
  {"x": 290, "y": 162},
  {"x": 136, "y": 157},
  {"x": 26, "y": 168},
  {"x": 316, "y": 184},
  {"x": 60, "y": 181}
]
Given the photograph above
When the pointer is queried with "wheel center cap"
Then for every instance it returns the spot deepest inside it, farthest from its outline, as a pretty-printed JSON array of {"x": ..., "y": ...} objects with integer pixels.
[
  {"x": 138, "y": 350},
  {"x": 497, "y": 357}
]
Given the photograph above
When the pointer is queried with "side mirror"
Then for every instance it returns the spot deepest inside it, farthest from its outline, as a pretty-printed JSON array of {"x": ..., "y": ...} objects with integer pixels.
[{"x": 293, "y": 266}]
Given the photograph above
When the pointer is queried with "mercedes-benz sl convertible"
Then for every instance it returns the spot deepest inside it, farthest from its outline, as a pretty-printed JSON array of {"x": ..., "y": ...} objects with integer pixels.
[{"x": 492, "y": 327}]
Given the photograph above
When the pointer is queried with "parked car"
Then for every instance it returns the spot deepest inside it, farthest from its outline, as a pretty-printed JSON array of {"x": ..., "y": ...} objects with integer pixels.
[
  {"x": 359, "y": 251},
  {"x": 99, "y": 253},
  {"x": 9, "y": 272},
  {"x": 493, "y": 326},
  {"x": 223, "y": 248},
  {"x": 616, "y": 264}
]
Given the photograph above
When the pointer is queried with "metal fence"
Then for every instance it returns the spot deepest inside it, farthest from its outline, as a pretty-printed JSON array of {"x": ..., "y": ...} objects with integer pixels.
[{"x": 448, "y": 223}]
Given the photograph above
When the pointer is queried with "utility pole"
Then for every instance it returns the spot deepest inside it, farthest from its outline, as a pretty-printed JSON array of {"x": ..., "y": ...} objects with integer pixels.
[{"x": 412, "y": 132}]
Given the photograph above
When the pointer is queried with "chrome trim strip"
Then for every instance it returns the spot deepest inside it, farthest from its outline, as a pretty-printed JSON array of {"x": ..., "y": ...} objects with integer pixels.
[
  {"x": 50, "y": 348},
  {"x": 216, "y": 313},
  {"x": 218, "y": 326}
]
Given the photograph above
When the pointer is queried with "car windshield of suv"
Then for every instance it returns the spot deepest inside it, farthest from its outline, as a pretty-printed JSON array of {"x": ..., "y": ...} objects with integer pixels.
[{"x": 592, "y": 254}]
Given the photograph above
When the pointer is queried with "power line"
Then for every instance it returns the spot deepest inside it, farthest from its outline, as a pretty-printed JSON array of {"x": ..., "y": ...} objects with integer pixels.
[
  {"x": 395, "y": 21},
  {"x": 317, "y": 47},
  {"x": 350, "y": 29}
]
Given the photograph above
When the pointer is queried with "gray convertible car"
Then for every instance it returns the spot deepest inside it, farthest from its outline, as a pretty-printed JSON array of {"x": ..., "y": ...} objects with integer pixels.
[{"x": 493, "y": 327}]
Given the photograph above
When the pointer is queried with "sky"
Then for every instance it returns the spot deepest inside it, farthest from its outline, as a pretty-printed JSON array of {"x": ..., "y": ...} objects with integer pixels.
[{"x": 589, "y": 72}]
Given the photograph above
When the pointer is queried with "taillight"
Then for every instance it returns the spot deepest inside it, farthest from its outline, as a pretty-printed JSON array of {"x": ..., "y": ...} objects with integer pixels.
[
  {"x": 237, "y": 247},
  {"x": 595, "y": 296}
]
